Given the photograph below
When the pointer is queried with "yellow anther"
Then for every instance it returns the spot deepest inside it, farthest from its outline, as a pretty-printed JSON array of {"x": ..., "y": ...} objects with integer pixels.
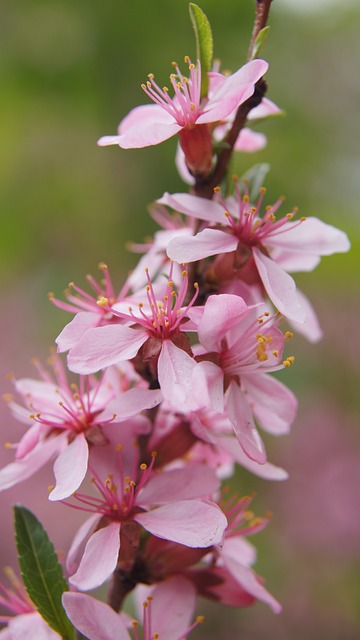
[
  {"x": 51, "y": 295},
  {"x": 267, "y": 313},
  {"x": 170, "y": 283},
  {"x": 102, "y": 266},
  {"x": 288, "y": 335},
  {"x": 196, "y": 285},
  {"x": 227, "y": 214},
  {"x": 184, "y": 273},
  {"x": 174, "y": 64},
  {"x": 150, "y": 76},
  {"x": 192, "y": 106},
  {"x": 260, "y": 320},
  {"x": 289, "y": 361},
  {"x": 102, "y": 301},
  {"x": 172, "y": 76},
  {"x": 143, "y": 86},
  {"x": 7, "y": 445},
  {"x": 275, "y": 353},
  {"x": 191, "y": 66},
  {"x": 248, "y": 514},
  {"x": 303, "y": 218},
  {"x": 272, "y": 217},
  {"x": 200, "y": 619},
  {"x": 260, "y": 338},
  {"x": 154, "y": 324},
  {"x": 143, "y": 466},
  {"x": 262, "y": 190},
  {"x": 10, "y": 376},
  {"x": 153, "y": 454},
  {"x": 118, "y": 447},
  {"x": 255, "y": 522},
  {"x": 148, "y": 84},
  {"x": 187, "y": 59},
  {"x": 148, "y": 287},
  {"x": 166, "y": 89},
  {"x": 246, "y": 198},
  {"x": 289, "y": 216},
  {"x": 51, "y": 487},
  {"x": 134, "y": 624},
  {"x": 216, "y": 189},
  {"x": 7, "y": 397}
]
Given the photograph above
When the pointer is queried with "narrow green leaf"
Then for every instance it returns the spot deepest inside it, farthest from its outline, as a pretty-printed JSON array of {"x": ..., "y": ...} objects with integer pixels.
[
  {"x": 41, "y": 571},
  {"x": 259, "y": 43},
  {"x": 204, "y": 44},
  {"x": 255, "y": 177}
]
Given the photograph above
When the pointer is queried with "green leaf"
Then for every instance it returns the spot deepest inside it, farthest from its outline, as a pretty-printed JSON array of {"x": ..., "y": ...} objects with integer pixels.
[
  {"x": 255, "y": 178},
  {"x": 41, "y": 571},
  {"x": 259, "y": 43},
  {"x": 204, "y": 44}
]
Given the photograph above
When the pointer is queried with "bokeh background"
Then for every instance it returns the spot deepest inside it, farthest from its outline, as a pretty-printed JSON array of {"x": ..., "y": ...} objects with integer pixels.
[{"x": 69, "y": 71}]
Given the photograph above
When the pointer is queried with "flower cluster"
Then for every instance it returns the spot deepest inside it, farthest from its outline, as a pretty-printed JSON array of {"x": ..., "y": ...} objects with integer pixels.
[{"x": 171, "y": 377}]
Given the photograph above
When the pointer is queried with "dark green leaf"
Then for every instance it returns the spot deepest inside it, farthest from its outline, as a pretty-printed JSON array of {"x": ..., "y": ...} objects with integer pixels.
[
  {"x": 255, "y": 178},
  {"x": 41, "y": 571},
  {"x": 204, "y": 44},
  {"x": 259, "y": 43}
]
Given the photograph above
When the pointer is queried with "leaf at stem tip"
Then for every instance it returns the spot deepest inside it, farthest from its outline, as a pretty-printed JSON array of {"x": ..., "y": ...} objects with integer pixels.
[
  {"x": 255, "y": 177},
  {"x": 41, "y": 572},
  {"x": 204, "y": 44},
  {"x": 259, "y": 43}
]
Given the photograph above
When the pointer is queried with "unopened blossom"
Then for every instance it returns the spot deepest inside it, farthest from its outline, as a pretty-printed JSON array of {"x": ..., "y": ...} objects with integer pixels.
[
  {"x": 238, "y": 351},
  {"x": 154, "y": 333},
  {"x": 186, "y": 113},
  {"x": 263, "y": 249},
  {"x": 171, "y": 504},
  {"x": 64, "y": 419},
  {"x": 167, "y": 614},
  {"x": 25, "y": 622}
]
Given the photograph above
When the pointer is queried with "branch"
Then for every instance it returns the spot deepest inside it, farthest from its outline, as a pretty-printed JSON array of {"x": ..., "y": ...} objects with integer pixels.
[{"x": 261, "y": 18}]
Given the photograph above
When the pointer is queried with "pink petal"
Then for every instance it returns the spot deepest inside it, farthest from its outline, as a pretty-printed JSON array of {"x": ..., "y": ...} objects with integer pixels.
[
  {"x": 240, "y": 549},
  {"x": 172, "y": 607},
  {"x": 175, "y": 367},
  {"x": 266, "y": 471},
  {"x": 209, "y": 242},
  {"x": 78, "y": 542},
  {"x": 233, "y": 91},
  {"x": 221, "y": 313},
  {"x": 240, "y": 414},
  {"x": 94, "y": 619},
  {"x": 29, "y": 440},
  {"x": 275, "y": 406},
  {"x": 249, "y": 141},
  {"x": 70, "y": 468},
  {"x": 250, "y": 582},
  {"x": 130, "y": 403},
  {"x": 195, "y": 207},
  {"x": 194, "y": 523},
  {"x": 29, "y": 626},
  {"x": 26, "y": 467},
  {"x": 103, "y": 346},
  {"x": 208, "y": 380},
  {"x": 279, "y": 286},
  {"x": 312, "y": 236},
  {"x": 179, "y": 484},
  {"x": 74, "y": 330},
  {"x": 311, "y": 328},
  {"x": 99, "y": 559},
  {"x": 144, "y": 126}
]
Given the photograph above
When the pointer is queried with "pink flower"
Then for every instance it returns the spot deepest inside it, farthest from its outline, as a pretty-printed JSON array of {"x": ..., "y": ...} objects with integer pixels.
[
  {"x": 186, "y": 114},
  {"x": 156, "y": 335},
  {"x": 65, "y": 419},
  {"x": 26, "y": 623},
  {"x": 238, "y": 352},
  {"x": 169, "y": 504},
  {"x": 264, "y": 248},
  {"x": 167, "y": 614}
]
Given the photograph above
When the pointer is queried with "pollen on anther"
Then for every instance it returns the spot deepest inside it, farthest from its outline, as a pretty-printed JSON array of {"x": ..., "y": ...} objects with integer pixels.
[
  {"x": 102, "y": 301},
  {"x": 143, "y": 466},
  {"x": 288, "y": 334}
]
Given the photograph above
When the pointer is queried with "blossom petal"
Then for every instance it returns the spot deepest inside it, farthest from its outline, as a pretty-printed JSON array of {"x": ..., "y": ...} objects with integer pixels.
[
  {"x": 29, "y": 626},
  {"x": 175, "y": 367},
  {"x": 209, "y": 242},
  {"x": 194, "y": 523},
  {"x": 233, "y": 91},
  {"x": 240, "y": 414},
  {"x": 74, "y": 330},
  {"x": 274, "y": 405},
  {"x": 70, "y": 468},
  {"x": 103, "y": 346},
  {"x": 279, "y": 286},
  {"x": 99, "y": 559},
  {"x": 221, "y": 313},
  {"x": 94, "y": 619},
  {"x": 130, "y": 403},
  {"x": 144, "y": 126},
  {"x": 194, "y": 206},
  {"x": 26, "y": 467},
  {"x": 250, "y": 582},
  {"x": 196, "y": 481},
  {"x": 79, "y": 541},
  {"x": 172, "y": 607},
  {"x": 266, "y": 471},
  {"x": 312, "y": 236}
]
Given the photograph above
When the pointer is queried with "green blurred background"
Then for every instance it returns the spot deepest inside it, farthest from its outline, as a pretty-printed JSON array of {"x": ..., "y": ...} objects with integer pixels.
[{"x": 70, "y": 71}]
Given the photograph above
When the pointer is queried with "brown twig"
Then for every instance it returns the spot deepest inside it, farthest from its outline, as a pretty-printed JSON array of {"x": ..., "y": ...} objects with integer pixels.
[{"x": 261, "y": 18}]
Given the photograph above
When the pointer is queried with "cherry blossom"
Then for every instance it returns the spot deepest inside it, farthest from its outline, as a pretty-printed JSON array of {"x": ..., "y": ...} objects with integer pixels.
[
  {"x": 264, "y": 248},
  {"x": 186, "y": 114},
  {"x": 65, "y": 419}
]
